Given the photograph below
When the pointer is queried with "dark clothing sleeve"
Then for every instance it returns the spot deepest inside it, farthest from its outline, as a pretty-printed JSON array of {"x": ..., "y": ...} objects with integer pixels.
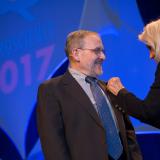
[
  {"x": 147, "y": 110},
  {"x": 133, "y": 146},
  {"x": 50, "y": 125}
]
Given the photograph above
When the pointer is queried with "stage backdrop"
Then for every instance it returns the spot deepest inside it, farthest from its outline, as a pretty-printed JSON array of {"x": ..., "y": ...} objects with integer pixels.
[{"x": 32, "y": 38}]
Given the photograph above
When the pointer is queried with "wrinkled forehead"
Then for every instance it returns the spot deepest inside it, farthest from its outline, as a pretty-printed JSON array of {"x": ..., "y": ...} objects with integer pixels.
[{"x": 93, "y": 40}]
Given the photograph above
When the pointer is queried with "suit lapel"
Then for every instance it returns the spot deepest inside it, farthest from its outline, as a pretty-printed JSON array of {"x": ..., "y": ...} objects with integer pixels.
[
  {"x": 81, "y": 97},
  {"x": 118, "y": 115},
  {"x": 112, "y": 101},
  {"x": 78, "y": 94}
]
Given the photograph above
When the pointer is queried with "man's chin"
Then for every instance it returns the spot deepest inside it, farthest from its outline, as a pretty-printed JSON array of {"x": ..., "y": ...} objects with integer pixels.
[{"x": 100, "y": 72}]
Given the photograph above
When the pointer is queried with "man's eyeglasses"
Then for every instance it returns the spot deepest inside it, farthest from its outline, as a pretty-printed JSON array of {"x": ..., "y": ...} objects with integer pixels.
[{"x": 97, "y": 50}]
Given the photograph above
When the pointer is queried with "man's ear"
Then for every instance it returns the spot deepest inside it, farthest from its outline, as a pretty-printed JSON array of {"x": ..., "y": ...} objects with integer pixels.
[{"x": 75, "y": 54}]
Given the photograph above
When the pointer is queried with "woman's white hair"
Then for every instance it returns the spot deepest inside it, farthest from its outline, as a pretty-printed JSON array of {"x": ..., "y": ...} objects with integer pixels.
[{"x": 151, "y": 35}]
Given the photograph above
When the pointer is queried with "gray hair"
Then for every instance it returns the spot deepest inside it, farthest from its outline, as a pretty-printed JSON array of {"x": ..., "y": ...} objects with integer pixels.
[{"x": 76, "y": 40}]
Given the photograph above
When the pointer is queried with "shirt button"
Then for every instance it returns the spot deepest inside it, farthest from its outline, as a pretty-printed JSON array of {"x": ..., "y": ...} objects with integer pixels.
[
  {"x": 120, "y": 108},
  {"x": 116, "y": 105}
]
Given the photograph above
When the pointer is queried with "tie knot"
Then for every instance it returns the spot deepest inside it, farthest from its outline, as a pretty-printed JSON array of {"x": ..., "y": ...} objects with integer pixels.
[{"x": 91, "y": 80}]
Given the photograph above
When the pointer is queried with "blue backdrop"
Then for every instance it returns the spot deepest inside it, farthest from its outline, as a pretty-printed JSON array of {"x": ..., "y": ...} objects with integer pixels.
[{"x": 32, "y": 38}]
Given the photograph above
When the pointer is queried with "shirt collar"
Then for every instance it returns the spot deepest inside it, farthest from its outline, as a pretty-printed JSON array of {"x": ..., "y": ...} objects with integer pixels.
[{"x": 77, "y": 74}]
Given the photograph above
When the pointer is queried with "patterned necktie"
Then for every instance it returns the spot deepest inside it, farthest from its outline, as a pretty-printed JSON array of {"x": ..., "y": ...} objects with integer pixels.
[{"x": 113, "y": 141}]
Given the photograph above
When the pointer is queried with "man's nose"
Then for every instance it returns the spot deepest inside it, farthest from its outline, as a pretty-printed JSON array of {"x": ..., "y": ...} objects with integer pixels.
[{"x": 103, "y": 55}]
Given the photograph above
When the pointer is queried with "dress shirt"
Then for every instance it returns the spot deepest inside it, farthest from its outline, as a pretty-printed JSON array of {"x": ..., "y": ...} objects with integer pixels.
[{"x": 80, "y": 78}]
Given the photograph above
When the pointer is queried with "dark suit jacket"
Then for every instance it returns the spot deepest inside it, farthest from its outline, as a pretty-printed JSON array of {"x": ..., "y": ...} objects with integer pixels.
[
  {"x": 69, "y": 127},
  {"x": 147, "y": 110}
]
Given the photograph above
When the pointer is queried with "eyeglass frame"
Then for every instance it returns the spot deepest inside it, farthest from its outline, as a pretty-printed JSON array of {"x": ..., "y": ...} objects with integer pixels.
[{"x": 97, "y": 50}]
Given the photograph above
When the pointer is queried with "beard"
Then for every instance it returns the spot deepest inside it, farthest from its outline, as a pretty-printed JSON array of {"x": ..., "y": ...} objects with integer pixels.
[{"x": 97, "y": 67}]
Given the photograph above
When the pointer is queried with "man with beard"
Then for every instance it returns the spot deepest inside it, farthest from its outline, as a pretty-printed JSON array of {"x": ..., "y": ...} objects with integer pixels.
[
  {"x": 75, "y": 114},
  {"x": 147, "y": 110}
]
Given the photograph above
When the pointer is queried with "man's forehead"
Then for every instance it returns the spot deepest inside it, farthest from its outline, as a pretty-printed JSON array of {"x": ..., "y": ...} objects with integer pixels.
[
  {"x": 92, "y": 38},
  {"x": 93, "y": 35}
]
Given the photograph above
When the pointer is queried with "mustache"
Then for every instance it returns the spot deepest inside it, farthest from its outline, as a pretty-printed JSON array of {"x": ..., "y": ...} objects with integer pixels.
[{"x": 99, "y": 61}]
